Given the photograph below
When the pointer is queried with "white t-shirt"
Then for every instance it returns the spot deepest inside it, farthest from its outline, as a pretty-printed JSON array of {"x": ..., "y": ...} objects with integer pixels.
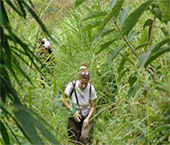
[
  {"x": 46, "y": 43},
  {"x": 83, "y": 96}
]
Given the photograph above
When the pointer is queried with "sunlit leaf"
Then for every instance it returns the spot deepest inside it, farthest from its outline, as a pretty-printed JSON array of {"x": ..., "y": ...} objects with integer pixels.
[
  {"x": 132, "y": 19},
  {"x": 123, "y": 15},
  {"x": 95, "y": 15}
]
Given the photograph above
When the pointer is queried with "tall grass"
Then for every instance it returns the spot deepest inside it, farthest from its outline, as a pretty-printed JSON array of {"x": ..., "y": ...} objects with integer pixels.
[{"x": 119, "y": 119}]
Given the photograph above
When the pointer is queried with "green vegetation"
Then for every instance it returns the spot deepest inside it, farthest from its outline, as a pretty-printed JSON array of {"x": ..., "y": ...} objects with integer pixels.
[{"x": 125, "y": 45}]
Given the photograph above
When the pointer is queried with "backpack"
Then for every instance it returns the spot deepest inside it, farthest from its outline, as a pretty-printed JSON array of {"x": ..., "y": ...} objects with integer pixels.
[{"x": 74, "y": 84}]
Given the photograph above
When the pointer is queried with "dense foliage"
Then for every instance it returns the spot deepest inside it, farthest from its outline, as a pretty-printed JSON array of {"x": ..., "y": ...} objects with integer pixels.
[{"x": 125, "y": 45}]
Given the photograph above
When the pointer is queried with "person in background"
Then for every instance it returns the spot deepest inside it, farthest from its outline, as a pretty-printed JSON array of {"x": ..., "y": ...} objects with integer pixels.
[
  {"x": 82, "y": 106},
  {"x": 44, "y": 53},
  {"x": 45, "y": 46}
]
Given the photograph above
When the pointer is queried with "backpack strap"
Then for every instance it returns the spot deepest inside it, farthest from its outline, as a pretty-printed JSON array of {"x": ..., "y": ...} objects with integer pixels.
[
  {"x": 74, "y": 84},
  {"x": 90, "y": 92}
]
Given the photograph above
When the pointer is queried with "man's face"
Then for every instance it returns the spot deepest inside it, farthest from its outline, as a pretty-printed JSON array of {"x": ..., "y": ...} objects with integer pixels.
[{"x": 83, "y": 83}]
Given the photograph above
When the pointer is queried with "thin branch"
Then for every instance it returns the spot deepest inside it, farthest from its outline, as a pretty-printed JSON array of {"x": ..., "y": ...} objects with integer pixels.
[
  {"x": 125, "y": 39},
  {"x": 151, "y": 34}
]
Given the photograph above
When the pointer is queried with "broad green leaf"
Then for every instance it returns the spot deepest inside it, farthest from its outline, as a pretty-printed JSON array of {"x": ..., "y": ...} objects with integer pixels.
[
  {"x": 28, "y": 126},
  {"x": 142, "y": 45},
  {"x": 2, "y": 106},
  {"x": 164, "y": 6},
  {"x": 144, "y": 57},
  {"x": 147, "y": 23},
  {"x": 131, "y": 35},
  {"x": 78, "y": 2},
  {"x": 92, "y": 25},
  {"x": 114, "y": 13},
  {"x": 123, "y": 15},
  {"x": 132, "y": 19},
  {"x": 104, "y": 46},
  {"x": 45, "y": 131},
  {"x": 132, "y": 80},
  {"x": 103, "y": 33},
  {"x": 132, "y": 91},
  {"x": 114, "y": 54},
  {"x": 4, "y": 133},
  {"x": 95, "y": 15},
  {"x": 157, "y": 54}
]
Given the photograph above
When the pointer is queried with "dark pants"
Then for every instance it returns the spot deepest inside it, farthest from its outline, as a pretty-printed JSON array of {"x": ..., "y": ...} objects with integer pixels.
[{"x": 76, "y": 131}]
